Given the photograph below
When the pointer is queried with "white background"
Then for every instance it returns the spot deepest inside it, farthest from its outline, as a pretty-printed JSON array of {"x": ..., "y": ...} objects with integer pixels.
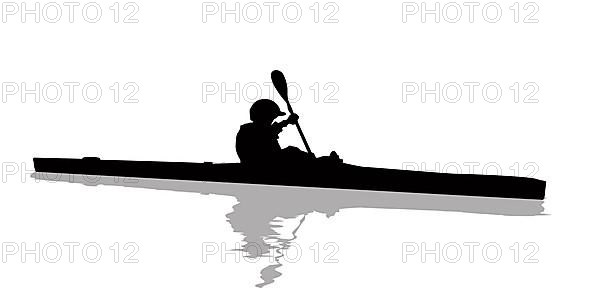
[{"x": 368, "y": 54}]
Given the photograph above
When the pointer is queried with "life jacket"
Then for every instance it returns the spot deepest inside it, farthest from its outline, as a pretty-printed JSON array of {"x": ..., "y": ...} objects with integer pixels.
[{"x": 257, "y": 143}]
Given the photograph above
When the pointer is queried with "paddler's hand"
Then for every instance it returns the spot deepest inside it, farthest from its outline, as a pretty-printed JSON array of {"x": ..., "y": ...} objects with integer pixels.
[{"x": 292, "y": 119}]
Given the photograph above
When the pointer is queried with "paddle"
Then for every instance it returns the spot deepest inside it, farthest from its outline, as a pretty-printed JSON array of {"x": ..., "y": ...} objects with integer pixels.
[{"x": 281, "y": 86}]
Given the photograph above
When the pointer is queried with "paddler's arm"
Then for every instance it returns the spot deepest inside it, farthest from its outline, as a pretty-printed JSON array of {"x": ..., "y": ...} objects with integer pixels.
[{"x": 278, "y": 127}]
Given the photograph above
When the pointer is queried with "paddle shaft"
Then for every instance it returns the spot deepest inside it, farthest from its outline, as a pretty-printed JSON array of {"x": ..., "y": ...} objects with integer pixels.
[
  {"x": 280, "y": 84},
  {"x": 298, "y": 127}
]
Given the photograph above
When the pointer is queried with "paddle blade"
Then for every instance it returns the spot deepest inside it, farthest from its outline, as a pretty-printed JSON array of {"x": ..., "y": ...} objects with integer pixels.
[{"x": 280, "y": 84}]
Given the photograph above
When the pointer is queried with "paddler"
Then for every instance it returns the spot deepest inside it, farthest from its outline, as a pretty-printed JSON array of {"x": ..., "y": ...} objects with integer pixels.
[{"x": 257, "y": 142}]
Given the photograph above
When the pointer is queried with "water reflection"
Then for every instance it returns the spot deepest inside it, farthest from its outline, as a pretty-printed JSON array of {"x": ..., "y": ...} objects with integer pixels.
[{"x": 261, "y": 212}]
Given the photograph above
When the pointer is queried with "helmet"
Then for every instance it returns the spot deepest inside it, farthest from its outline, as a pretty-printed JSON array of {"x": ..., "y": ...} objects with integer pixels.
[{"x": 264, "y": 109}]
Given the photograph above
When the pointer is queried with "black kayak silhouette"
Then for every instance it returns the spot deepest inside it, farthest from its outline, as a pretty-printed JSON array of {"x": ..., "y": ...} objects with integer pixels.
[
  {"x": 302, "y": 169},
  {"x": 316, "y": 174}
]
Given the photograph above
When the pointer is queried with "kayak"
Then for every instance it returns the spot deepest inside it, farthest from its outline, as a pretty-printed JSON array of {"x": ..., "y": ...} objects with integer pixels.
[{"x": 330, "y": 175}]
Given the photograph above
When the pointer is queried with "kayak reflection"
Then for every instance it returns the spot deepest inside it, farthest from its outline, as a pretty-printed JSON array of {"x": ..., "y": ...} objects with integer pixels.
[{"x": 261, "y": 209}]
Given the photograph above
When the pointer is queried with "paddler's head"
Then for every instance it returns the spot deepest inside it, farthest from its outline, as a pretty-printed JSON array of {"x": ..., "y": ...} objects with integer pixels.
[{"x": 265, "y": 111}]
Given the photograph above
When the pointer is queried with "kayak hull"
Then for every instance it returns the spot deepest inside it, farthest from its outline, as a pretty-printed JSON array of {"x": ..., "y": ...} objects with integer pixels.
[{"x": 318, "y": 175}]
